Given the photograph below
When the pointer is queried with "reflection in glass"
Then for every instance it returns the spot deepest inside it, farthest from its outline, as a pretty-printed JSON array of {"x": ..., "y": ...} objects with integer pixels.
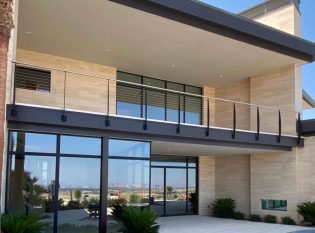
[
  {"x": 127, "y": 148},
  {"x": 32, "y": 186},
  {"x": 128, "y": 183},
  {"x": 175, "y": 191},
  {"x": 80, "y": 145},
  {"x": 129, "y": 100},
  {"x": 79, "y": 195},
  {"x": 166, "y": 160},
  {"x": 157, "y": 190},
  {"x": 33, "y": 142},
  {"x": 192, "y": 195},
  {"x": 193, "y": 109}
]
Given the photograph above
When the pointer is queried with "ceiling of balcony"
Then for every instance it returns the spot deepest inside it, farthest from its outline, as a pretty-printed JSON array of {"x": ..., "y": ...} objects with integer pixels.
[
  {"x": 134, "y": 41},
  {"x": 190, "y": 149}
]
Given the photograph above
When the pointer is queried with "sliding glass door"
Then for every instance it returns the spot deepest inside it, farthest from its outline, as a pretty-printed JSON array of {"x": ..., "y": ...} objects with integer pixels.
[{"x": 173, "y": 185}]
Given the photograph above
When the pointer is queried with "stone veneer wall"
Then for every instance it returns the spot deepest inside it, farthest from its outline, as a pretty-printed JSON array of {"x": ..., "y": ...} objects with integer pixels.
[
  {"x": 82, "y": 92},
  {"x": 274, "y": 176},
  {"x": 232, "y": 180},
  {"x": 206, "y": 183}
]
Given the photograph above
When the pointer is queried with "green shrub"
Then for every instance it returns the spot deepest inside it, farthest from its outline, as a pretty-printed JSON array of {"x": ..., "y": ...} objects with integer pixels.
[
  {"x": 119, "y": 201},
  {"x": 307, "y": 210},
  {"x": 117, "y": 210},
  {"x": 270, "y": 218},
  {"x": 134, "y": 198},
  {"x": 288, "y": 220},
  {"x": 11, "y": 223},
  {"x": 138, "y": 220},
  {"x": 254, "y": 218},
  {"x": 193, "y": 199},
  {"x": 223, "y": 207},
  {"x": 239, "y": 216}
]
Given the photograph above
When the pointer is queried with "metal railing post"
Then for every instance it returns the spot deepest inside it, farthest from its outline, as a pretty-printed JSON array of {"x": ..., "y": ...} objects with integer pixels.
[
  {"x": 13, "y": 110},
  {"x": 258, "y": 124},
  {"x": 107, "y": 121},
  {"x": 279, "y": 127},
  {"x": 145, "y": 125},
  {"x": 234, "y": 121},
  {"x": 299, "y": 129},
  {"x": 63, "y": 115},
  {"x": 178, "y": 123},
  {"x": 208, "y": 117}
]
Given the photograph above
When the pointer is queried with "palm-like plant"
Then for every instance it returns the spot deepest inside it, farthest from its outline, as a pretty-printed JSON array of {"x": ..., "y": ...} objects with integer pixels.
[
  {"x": 11, "y": 223},
  {"x": 138, "y": 220},
  {"x": 307, "y": 210},
  {"x": 223, "y": 207}
]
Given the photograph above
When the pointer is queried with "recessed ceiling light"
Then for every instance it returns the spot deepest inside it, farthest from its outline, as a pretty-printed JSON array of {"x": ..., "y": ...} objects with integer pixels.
[
  {"x": 106, "y": 50},
  {"x": 173, "y": 65},
  {"x": 28, "y": 32},
  {"x": 221, "y": 75}
]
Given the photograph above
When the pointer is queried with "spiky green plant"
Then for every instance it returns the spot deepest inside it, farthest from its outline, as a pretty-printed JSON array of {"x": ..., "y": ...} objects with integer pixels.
[
  {"x": 11, "y": 223},
  {"x": 138, "y": 220},
  {"x": 307, "y": 210},
  {"x": 223, "y": 207}
]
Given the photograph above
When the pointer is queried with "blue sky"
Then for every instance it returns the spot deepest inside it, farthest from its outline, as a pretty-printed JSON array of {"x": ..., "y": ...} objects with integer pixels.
[{"x": 308, "y": 33}]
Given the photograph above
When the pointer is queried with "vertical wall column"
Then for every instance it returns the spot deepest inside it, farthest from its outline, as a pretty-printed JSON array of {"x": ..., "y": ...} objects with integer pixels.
[{"x": 206, "y": 184}]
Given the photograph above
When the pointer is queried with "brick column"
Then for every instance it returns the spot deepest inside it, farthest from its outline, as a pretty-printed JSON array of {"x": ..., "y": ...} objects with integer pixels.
[
  {"x": 6, "y": 25},
  {"x": 4, "y": 41}
]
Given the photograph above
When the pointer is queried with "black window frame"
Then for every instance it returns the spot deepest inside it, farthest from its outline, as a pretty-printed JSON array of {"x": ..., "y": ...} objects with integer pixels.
[
  {"x": 34, "y": 79},
  {"x": 183, "y": 97}
]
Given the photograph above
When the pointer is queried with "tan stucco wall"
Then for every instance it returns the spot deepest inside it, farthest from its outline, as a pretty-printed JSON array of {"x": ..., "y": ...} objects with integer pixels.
[
  {"x": 82, "y": 92},
  {"x": 286, "y": 18},
  {"x": 274, "y": 176},
  {"x": 232, "y": 180},
  {"x": 206, "y": 184},
  {"x": 224, "y": 110},
  {"x": 277, "y": 89},
  {"x": 306, "y": 170}
]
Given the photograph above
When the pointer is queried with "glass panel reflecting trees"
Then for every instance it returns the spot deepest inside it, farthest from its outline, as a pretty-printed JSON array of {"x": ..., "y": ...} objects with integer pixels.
[
  {"x": 79, "y": 195},
  {"x": 32, "y": 176},
  {"x": 173, "y": 185},
  {"x": 128, "y": 175}
]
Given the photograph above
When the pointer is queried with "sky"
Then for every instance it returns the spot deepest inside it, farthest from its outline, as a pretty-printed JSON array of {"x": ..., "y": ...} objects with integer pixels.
[{"x": 307, "y": 8}]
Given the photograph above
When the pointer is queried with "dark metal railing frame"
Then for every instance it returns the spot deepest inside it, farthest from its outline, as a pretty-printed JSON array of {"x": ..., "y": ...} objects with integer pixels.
[{"x": 144, "y": 89}]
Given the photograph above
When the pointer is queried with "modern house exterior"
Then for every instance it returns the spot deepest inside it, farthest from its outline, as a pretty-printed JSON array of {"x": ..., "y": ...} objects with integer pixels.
[{"x": 160, "y": 104}]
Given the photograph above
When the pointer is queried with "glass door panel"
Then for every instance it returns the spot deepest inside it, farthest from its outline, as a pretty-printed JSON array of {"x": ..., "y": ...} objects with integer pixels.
[
  {"x": 176, "y": 191},
  {"x": 157, "y": 190},
  {"x": 79, "y": 195}
]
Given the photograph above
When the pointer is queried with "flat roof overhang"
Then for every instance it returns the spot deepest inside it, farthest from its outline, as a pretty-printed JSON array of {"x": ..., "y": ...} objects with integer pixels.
[
  {"x": 181, "y": 40},
  {"x": 207, "y": 17},
  {"x": 49, "y": 120}
]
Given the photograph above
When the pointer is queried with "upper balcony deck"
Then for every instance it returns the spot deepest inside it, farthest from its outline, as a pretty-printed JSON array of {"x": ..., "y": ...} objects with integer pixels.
[
  {"x": 217, "y": 72},
  {"x": 68, "y": 92}
]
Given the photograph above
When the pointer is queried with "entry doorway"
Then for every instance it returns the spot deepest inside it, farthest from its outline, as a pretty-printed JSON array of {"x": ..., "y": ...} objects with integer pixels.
[{"x": 173, "y": 185}]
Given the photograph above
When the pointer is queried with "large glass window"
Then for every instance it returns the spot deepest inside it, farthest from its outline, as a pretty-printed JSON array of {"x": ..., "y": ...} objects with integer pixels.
[
  {"x": 33, "y": 142},
  {"x": 80, "y": 145},
  {"x": 79, "y": 195},
  {"x": 128, "y": 175},
  {"x": 32, "y": 186},
  {"x": 126, "y": 148},
  {"x": 173, "y": 185},
  {"x": 161, "y": 105}
]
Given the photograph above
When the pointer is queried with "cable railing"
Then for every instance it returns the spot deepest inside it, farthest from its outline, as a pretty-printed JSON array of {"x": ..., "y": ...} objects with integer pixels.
[{"x": 75, "y": 91}]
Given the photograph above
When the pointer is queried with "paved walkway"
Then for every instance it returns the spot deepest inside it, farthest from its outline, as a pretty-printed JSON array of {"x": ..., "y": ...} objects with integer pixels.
[{"x": 201, "y": 224}]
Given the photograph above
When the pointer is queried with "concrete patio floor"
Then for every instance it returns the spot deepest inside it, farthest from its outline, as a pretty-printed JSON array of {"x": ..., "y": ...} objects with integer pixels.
[{"x": 202, "y": 224}]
